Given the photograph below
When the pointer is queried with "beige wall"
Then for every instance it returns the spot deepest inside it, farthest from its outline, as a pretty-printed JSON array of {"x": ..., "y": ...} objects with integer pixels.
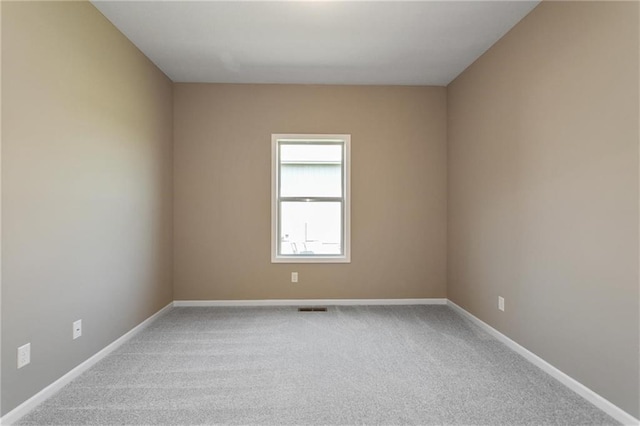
[
  {"x": 86, "y": 189},
  {"x": 543, "y": 191},
  {"x": 222, "y": 169}
]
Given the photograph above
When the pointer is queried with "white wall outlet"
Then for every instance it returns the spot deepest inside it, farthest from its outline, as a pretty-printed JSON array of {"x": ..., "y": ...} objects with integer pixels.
[
  {"x": 294, "y": 277},
  {"x": 77, "y": 329},
  {"x": 24, "y": 355},
  {"x": 501, "y": 303}
]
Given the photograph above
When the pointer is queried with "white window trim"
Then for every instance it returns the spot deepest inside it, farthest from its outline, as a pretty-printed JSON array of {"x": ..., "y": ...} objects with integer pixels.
[{"x": 346, "y": 256}]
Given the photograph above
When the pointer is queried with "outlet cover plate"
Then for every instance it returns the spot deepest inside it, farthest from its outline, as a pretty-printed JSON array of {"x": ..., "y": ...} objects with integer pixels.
[
  {"x": 24, "y": 355},
  {"x": 77, "y": 329}
]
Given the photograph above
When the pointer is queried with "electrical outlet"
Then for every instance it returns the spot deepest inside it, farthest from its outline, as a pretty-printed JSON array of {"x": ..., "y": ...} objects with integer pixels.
[
  {"x": 501, "y": 303},
  {"x": 24, "y": 355},
  {"x": 77, "y": 329},
  {"x": 294, "y": 277}
]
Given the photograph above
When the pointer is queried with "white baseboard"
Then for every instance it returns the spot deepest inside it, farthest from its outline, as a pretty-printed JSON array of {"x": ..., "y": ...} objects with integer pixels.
[
  {"x": 608, "y": 407},
  {"x": 24, "y": 408},
  {"x": 310, "y": 302}
]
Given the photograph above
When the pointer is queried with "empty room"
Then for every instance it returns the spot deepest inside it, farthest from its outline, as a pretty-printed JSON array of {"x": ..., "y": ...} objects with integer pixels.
[{"x": 320, "y": 212}]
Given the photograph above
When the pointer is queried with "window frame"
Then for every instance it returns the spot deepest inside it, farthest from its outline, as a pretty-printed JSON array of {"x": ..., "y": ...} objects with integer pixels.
[{"x": 311, "y": 139}]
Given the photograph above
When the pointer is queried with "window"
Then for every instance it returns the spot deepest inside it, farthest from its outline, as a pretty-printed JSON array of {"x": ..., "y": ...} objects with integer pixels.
[{"x": 310, "y": 214}]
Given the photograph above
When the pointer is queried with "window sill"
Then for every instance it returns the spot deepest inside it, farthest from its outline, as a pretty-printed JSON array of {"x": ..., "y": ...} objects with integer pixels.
[{"x": 311, "y": 259}]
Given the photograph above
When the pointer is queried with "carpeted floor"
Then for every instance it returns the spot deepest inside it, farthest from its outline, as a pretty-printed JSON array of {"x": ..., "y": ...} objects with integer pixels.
[{"x": 350, "y": 365}]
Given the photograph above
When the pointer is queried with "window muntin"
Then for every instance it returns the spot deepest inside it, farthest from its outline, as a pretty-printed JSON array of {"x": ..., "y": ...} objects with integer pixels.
[{"x": 310, "y": 203}]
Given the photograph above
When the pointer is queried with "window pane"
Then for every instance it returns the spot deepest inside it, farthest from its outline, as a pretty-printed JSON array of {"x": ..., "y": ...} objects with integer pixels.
[
  {"x": 311, "y": 153},
  {"x": 310, "y": 228},
  {"x": 310, "y": 170},
  {"x": 311, "y": 180}
]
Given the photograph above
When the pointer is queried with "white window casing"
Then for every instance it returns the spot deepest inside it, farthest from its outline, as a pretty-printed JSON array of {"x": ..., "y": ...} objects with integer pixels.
[{"x": 310, "y": 198}]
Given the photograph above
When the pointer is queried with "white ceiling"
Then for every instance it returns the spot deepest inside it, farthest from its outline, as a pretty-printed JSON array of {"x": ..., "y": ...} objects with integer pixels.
[{"x": 318, "y": 42}]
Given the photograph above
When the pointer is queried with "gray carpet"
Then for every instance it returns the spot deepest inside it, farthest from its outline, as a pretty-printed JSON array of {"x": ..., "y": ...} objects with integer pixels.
[{"x": 350, "y": 365}]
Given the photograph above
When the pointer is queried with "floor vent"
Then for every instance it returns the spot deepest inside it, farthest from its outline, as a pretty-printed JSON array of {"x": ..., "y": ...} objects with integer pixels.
[{"x": 313, "y": 309}]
